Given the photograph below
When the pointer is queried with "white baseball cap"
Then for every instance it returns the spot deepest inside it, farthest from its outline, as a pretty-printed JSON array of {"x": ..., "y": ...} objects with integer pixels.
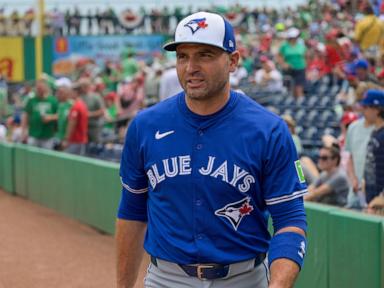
[
  {"x": 63, "y": 82},
  {"x": 293, "y": 32},
  {"x": 204, "y": 28}
]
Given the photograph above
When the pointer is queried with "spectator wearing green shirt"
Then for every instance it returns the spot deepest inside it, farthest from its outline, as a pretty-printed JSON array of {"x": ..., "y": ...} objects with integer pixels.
[
  {"x": 63, "y": 92},
  {"x": 110, "y": 116},
  {"x": 38, "y": 129},
  {"x": 292, "y": 54}
]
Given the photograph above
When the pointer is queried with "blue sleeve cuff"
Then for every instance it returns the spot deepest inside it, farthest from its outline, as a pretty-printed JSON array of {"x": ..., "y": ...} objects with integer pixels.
[
  {"x": 133, "y": 206},
  {"x": 289, "y": 245}
]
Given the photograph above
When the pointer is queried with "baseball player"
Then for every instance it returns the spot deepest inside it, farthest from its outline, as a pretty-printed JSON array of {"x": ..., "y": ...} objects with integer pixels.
[{"x": 201, "y": 173}]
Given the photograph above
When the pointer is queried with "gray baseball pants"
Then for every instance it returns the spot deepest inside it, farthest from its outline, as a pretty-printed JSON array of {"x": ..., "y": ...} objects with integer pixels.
[{"x": 241, "y": 275}]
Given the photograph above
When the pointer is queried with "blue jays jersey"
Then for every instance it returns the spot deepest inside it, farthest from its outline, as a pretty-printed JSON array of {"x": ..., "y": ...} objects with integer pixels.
[{"x": 206, "y": 184}]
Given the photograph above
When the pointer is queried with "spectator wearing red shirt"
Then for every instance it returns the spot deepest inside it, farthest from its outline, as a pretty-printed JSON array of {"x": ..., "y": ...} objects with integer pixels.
[
  {"x": 77, "y": 129},
  {"x": 334, "y": 57}
]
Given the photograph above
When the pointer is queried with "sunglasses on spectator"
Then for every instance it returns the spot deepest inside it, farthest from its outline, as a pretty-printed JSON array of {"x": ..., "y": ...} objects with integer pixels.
[{"x": 325, "y": 158}]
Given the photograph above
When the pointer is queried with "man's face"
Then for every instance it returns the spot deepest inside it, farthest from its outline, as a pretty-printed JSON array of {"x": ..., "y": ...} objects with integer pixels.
[
  {"x": 370, "y": 113},
  {"x": 203, "y": 70},
  {"x": 63, "y": 93},
  {"x": 361, "y": 73},
  {"x": 41, "y": 88}
]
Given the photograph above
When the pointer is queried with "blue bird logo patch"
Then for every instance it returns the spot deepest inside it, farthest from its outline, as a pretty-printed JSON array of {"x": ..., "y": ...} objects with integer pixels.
[{"x": 196, "y": 24}]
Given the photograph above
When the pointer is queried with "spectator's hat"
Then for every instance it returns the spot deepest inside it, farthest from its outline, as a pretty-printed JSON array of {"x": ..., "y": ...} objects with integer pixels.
[
  {"x": 373, "y": 97},
  {"x": 204, "y": 28},
  {"x": 348, "y": 117},
  {"x": 264, "y": 59},
  {"x": 63, "y": 82},
  {"x": 292, "y": 32},
  {"x": 111, "y": 96},
  {"x": 361, "y": 64},
  {"x": 332, "y": 34},
  {"x": 279, "y": 27}
]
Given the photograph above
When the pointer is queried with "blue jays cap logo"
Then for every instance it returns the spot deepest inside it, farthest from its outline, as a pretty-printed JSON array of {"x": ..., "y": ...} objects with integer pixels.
[
  {"x": 196, "y": 24},
  {"x": 236, "y": 211}
]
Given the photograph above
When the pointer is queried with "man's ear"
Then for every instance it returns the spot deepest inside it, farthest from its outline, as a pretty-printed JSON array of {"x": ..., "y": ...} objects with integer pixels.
[{"x": 234, "y": 60}]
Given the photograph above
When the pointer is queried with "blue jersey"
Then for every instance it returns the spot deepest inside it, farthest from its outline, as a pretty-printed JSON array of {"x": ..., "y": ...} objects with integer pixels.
[
  {"x": 374, "y": 165},
  {"x": 206, "y": 184}
]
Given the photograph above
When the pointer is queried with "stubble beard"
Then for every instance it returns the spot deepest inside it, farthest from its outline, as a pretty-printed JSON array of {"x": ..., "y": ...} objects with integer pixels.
[{"x": 204, "y": 94}]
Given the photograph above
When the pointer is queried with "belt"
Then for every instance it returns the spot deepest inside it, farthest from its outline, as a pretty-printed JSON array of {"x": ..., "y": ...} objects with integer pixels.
[{"x": 210, "y": 271}]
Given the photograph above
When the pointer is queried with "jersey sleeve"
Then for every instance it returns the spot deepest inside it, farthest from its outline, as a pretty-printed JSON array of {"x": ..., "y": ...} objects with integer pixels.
[
  {"x": 133, "y": 204},
  {"x": 283, "y": 177},
  {"x": 284, "y": 183}
]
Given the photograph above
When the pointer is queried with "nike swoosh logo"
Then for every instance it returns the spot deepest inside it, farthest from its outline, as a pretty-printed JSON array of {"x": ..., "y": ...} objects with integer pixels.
[{"x": 159, "y": 135}]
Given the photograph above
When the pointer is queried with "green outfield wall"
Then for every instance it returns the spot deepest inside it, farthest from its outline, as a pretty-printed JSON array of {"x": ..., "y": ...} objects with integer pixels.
[{"x": 345, "y": 248}]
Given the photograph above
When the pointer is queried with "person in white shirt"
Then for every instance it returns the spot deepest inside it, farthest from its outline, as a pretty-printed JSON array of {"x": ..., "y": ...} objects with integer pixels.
[
  {"x": 268, "y": 78},
  {"x": 169, "y": 82}
]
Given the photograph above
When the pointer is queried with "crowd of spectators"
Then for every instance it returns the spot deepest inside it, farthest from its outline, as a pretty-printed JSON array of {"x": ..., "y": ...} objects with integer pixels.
[{"x": 291, "y": 53}]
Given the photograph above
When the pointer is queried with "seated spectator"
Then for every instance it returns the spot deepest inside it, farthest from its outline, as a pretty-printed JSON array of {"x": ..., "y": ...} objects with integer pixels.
[
  {"x": 268, "y": 78},
  {"x": 332, "y": 185},
  {"x": 362, "y": 71}
]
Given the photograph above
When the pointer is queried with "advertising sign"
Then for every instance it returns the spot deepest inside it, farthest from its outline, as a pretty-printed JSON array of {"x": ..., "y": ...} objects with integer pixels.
[{"x": 69, "y": 50}]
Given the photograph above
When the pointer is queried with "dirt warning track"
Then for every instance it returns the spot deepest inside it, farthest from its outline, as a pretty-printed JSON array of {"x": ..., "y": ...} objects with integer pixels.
[{"x": 40, "y": 248}]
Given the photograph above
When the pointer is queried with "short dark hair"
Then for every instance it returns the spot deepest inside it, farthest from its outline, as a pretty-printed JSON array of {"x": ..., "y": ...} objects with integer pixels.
[{"x": 334, "y": 149}]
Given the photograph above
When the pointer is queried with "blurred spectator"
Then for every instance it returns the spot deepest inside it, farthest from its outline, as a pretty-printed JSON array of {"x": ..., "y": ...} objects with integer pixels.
[
  {"x": 15, "y": 22},
  {"x": 129, "y": 64},
  {"x": 268, "y": 78},
  {"x": 3, "y": 22},
  {"x": 29, "y": 18},
  {"x": 316, "y": 68},
  {"x": 292, "y": 54},
  {"x": 334, "y": 57},
  {"x": 152, "y": 84},
  {"x": 110, "y": 116},
  {"x": 15, "y": 131},
  {"x": 95, "y": 108},
  {"x": 236, "y": 77},
  {"x": 131, "y": 95},
  {"x": 3, "y": 133},
  {"x": 292, "y": 126},
  {"x": 110, "y": 76},
  {"x": 76, "y": 136},
  {"x": 373, "y": 109},
  {"x": 356, "y": 142},
  {"x": 362, "y": 71},
  {"x": 3, "y": 97},
  {"x": 38, "y": 129},
  {"x": 347, "y": 119},
  {"x": 169, "y": 82},
  {"x": 64, "y": 96},
  {"x": 332, "y": 185},
  {"x": 369, "y": 33}
]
